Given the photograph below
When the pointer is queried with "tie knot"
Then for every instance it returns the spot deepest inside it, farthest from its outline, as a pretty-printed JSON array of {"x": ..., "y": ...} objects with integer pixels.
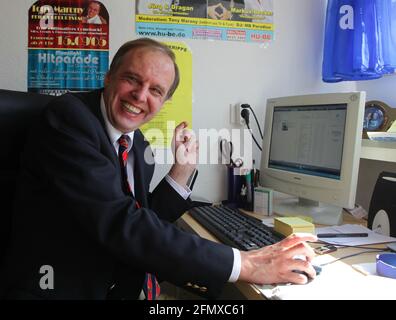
[{"x": 124, "y": 141}]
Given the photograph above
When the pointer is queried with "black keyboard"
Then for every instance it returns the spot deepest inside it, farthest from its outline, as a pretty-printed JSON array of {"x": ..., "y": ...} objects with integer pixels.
[{"x": 234, "y": 228}]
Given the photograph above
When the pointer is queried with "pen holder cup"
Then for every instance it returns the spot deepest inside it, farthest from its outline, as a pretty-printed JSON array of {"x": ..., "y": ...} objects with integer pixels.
[
  {"x": 234, "y": 184},
  {"x": 241, "y": 188}
]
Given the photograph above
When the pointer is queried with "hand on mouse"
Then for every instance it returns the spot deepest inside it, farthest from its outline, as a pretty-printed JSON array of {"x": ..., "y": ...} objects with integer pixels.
[{"x": 276, "y": 263}]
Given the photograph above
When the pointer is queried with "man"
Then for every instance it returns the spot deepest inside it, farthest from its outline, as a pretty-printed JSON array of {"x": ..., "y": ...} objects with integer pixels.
[
  {"x": 93, "y": 14},
  {"x": 99, "y": 237}
]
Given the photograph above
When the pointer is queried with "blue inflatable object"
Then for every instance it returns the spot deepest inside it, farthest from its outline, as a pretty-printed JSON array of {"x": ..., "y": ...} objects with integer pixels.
[{"x": 360, "y": 40}]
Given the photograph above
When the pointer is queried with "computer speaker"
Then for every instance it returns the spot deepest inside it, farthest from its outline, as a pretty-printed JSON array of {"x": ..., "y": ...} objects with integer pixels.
[{"x": 382, "y": 212}]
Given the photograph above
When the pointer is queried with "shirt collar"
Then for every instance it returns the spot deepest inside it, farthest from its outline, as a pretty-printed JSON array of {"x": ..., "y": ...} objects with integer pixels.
[{"x": 114, "y": 134}]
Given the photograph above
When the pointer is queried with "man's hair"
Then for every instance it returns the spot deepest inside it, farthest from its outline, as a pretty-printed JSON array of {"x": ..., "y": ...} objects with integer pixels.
[
  {"x": 97, "y": 2},
  {"x": 151, "y": 45}
]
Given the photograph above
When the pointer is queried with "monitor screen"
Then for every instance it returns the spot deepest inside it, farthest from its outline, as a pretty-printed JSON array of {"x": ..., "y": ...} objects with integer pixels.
[
  {"x": 311, "y": 150},
  {"x": 308, "y": 139}
]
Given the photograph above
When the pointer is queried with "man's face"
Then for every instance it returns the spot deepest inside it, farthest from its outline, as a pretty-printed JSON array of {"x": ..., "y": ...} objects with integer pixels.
[
  {"x": 136, "y": 91},
  {"x": 93, "y": 9}
]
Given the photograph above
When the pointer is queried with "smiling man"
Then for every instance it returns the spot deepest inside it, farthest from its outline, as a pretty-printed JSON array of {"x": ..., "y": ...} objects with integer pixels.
[
  {"x": 93, "y": 14},
  {"x": 142, "y": 76},
  {"x": 85, "y": 224}
]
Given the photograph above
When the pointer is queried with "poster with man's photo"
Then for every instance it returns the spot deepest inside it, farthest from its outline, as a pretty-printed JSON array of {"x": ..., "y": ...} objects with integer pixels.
[
  {"x": 229, "y": 20},
  {"x": 68, "y": 46}
]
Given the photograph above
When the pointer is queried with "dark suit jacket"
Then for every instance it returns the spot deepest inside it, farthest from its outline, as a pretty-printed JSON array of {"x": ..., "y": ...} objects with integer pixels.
[{"x": 72, "y": 214}]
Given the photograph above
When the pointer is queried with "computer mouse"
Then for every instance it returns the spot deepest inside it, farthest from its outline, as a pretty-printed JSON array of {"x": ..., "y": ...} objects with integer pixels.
[{"x": 317, "y": 269}]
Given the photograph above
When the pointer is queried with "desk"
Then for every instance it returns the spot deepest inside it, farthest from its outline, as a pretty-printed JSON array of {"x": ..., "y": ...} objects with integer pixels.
[{"x": 251, "y": 292}]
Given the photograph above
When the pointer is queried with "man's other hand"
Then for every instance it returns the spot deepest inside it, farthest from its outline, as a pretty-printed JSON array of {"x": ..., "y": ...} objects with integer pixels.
[{"x": 185, "y": 149}]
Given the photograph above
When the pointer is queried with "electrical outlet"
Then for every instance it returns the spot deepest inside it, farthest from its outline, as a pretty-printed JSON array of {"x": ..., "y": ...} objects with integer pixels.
[{"x": 235, "y": 114}]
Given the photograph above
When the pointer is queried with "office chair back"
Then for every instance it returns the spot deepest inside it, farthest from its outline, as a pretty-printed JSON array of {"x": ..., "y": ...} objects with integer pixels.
[{"x": 18, "y": 110}]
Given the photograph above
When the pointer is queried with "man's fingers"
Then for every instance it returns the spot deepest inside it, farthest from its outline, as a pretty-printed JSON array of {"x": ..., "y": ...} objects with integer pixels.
[
  {"x": 297, "y": 278},
  {"x": 186, "y": 135},
  {"x": 191, "y": 145},
  {"x": 297, "y": 238},
  {"x": 180, "y": 131},
  {"x": 304, "y": 268},
  {"x": 304, "y": 250},
  {"x": 181, "y": 126}
]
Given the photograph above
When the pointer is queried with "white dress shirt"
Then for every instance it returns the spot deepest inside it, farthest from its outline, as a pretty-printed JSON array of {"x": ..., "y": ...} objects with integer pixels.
[{"x": 94, "y": 20}]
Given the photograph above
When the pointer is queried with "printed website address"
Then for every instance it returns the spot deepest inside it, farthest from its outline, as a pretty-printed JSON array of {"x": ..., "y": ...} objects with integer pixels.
[{"x": 162, "y": 34}]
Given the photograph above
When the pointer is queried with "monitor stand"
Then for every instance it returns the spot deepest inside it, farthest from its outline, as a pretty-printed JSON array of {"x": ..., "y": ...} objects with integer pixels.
[{"x": 321, "y": 213}]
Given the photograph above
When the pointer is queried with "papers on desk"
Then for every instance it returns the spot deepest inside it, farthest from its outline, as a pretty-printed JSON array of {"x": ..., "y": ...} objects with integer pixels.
[
  {"x": 372, "y": 238},
  {"x": 368, "y": 268},
  {"x": 337, "y": 281}
]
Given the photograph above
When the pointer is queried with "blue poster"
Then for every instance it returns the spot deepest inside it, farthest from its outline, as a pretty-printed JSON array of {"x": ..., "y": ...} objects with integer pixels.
[{"x": 54, "y": 71}]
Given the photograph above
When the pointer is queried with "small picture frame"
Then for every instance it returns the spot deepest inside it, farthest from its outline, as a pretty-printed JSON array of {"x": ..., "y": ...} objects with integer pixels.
[
  {"x": 375, "y": 116},
  {"x": 378, "y": 117}
]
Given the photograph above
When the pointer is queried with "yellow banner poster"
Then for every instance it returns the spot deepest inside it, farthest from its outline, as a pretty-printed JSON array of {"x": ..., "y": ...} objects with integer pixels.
[{"x": 159, "y": 131}]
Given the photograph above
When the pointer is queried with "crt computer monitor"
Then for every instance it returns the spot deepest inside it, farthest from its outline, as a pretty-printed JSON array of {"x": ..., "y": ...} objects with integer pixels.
[{"x": 311, "y": 150}]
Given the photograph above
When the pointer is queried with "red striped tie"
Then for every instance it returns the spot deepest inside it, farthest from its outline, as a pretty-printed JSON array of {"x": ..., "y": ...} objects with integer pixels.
[{"x": 151, "y": 287}]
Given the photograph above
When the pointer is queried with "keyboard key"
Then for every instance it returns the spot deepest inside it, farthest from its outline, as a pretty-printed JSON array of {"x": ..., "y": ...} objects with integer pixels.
[{"x": 234, "y": 228}]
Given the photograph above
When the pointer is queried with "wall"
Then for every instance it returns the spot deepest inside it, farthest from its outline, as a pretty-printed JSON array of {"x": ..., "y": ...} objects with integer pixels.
[
  {"x": 223, "y": 72},
  {"x": 382, "y": 89}
]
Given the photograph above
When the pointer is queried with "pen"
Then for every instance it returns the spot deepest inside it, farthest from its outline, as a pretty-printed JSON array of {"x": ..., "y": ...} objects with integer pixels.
[{"x": 341, "y": 235}]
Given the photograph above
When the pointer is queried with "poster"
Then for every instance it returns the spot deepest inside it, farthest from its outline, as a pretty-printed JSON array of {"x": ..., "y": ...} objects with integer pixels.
[
  {"x": 159, "y": 131},
  {"x": 68, "y": 46},
  {"x": 228, "y": 20}
]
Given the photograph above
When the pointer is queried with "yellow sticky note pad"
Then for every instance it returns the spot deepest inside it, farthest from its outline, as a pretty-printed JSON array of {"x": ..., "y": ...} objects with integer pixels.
[
  {"x": 289, "y": 225},
  {"x": 306, "y": 218}
]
